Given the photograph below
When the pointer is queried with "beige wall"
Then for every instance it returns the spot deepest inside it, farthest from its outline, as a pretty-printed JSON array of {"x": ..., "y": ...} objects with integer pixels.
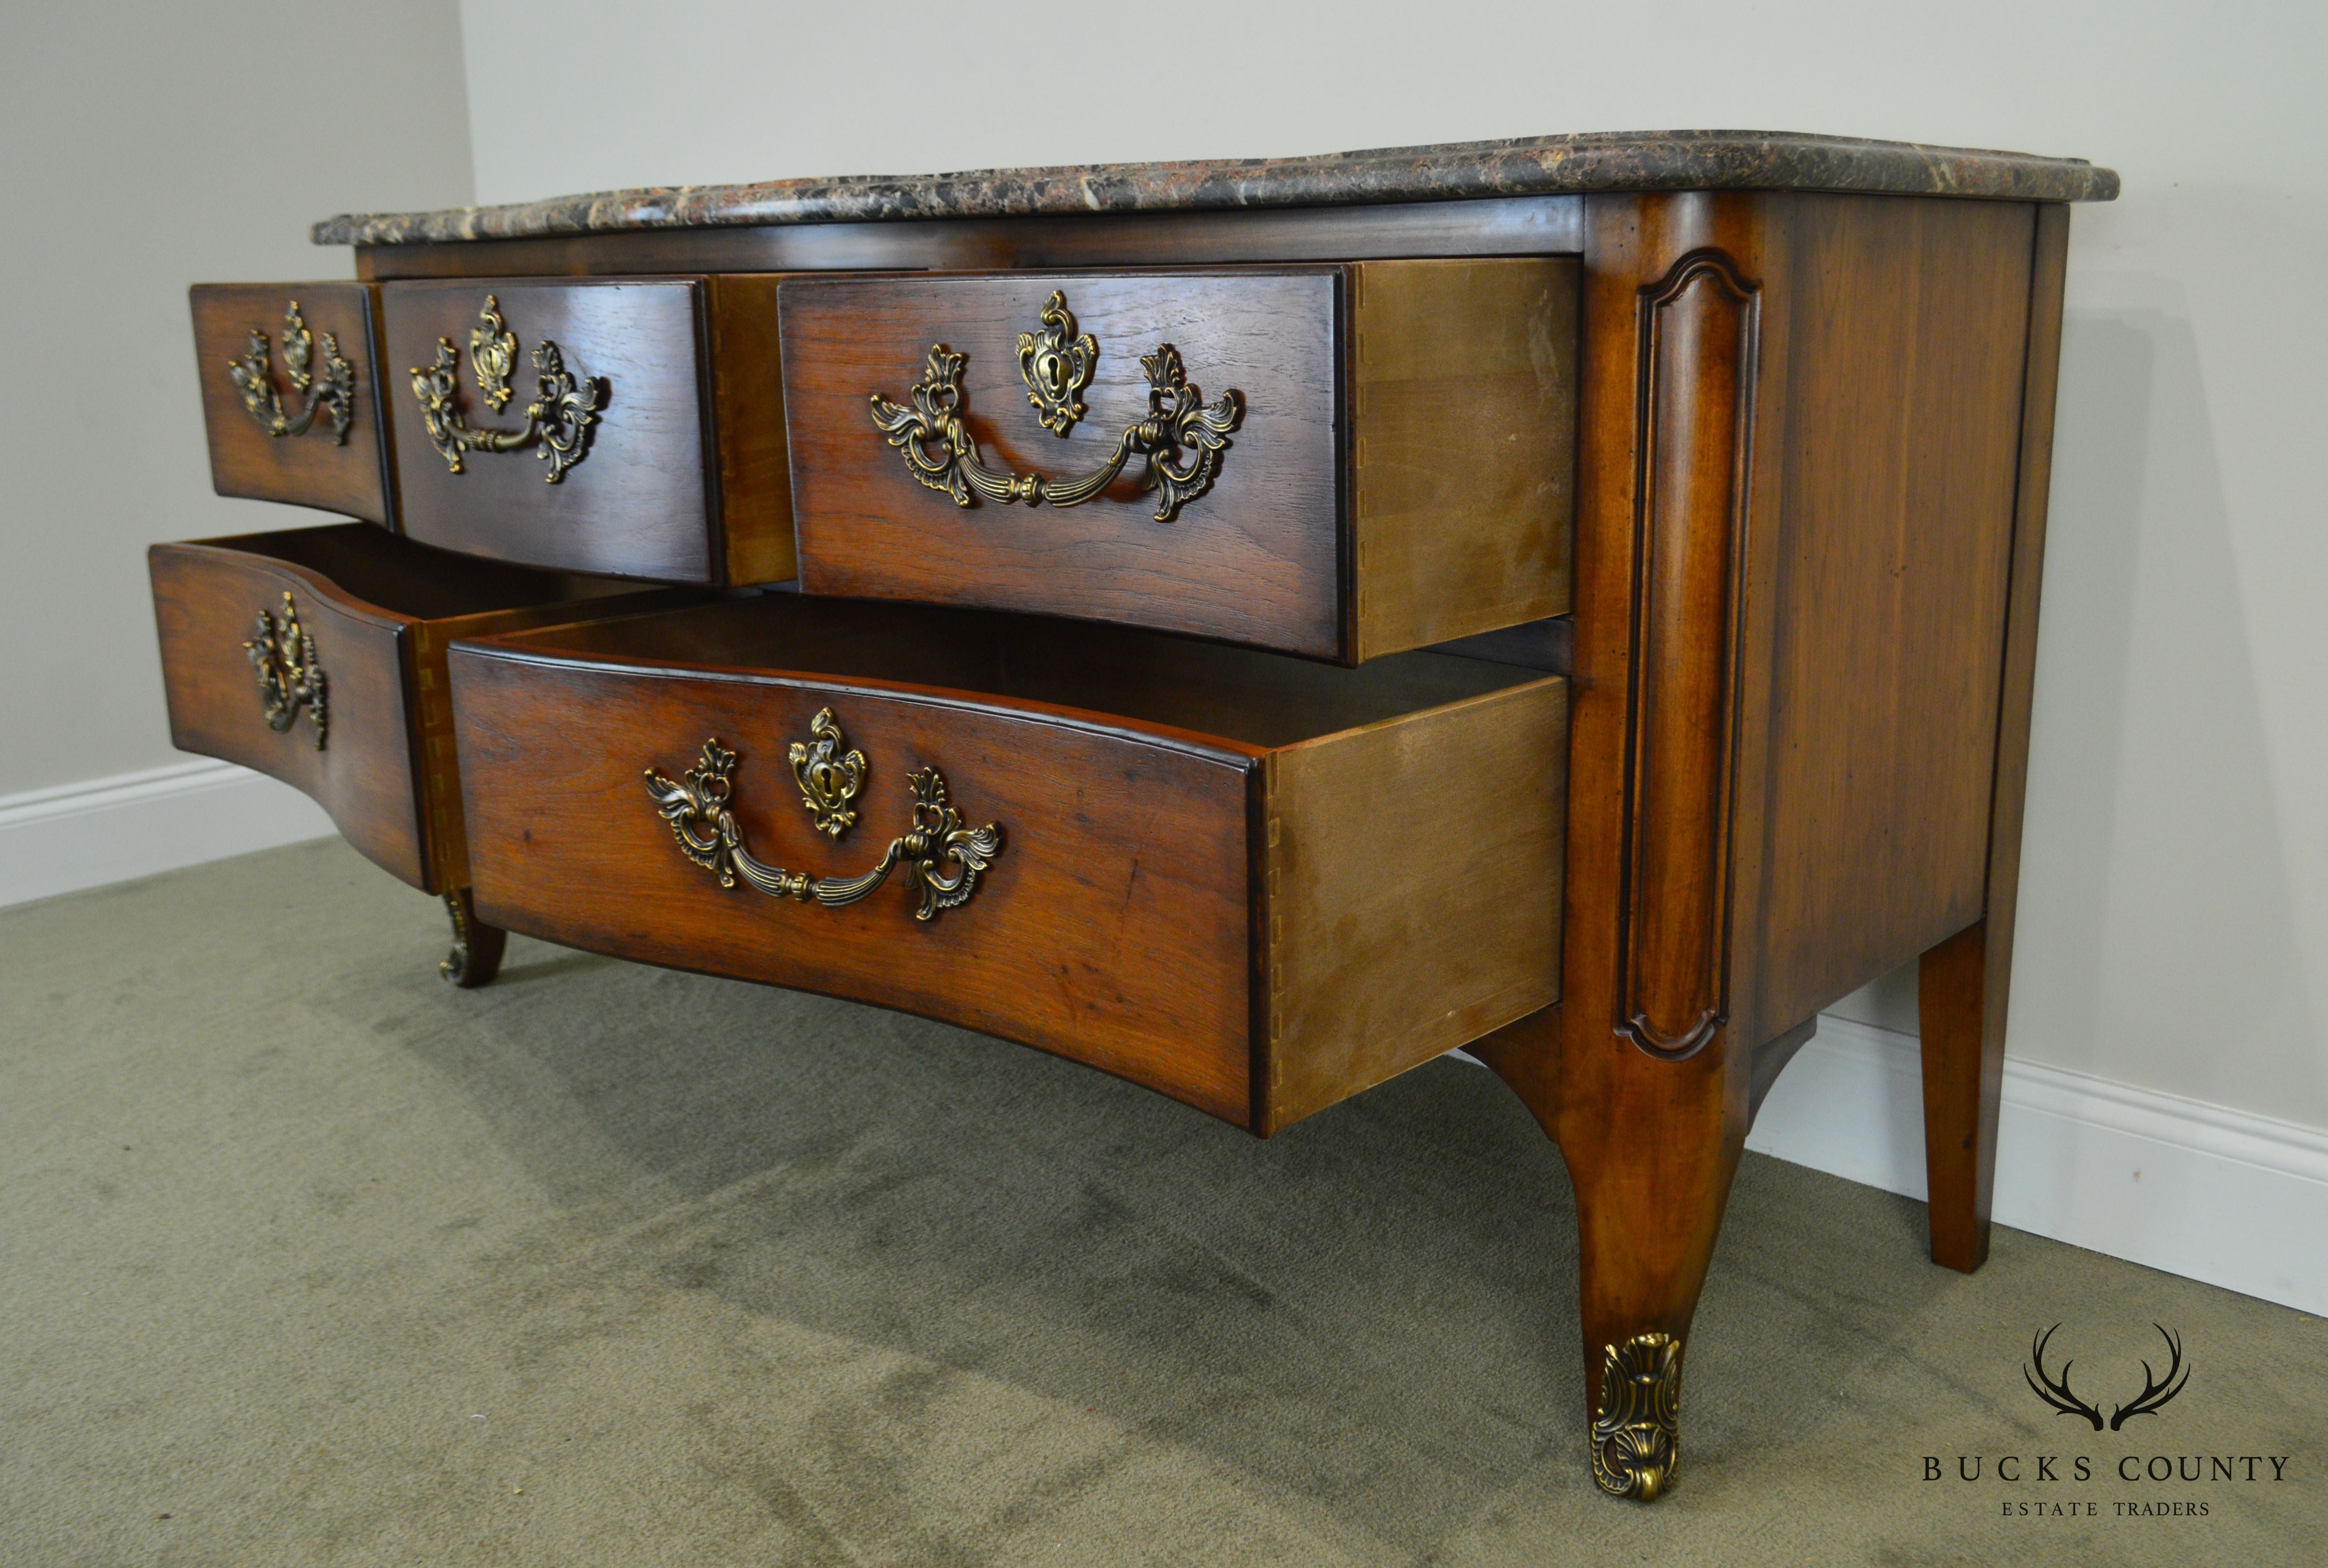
[
  {"x": 148, "y": 147},
  {"x": 2174, "y": 913}
]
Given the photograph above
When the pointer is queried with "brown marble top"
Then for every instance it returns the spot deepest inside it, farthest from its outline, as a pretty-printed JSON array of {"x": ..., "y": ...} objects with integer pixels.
[{"x": 1522, "y": 166}]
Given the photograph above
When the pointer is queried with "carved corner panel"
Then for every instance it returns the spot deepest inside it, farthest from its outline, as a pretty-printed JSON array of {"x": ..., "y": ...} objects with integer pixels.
[{"x": 1699, "y": 333}]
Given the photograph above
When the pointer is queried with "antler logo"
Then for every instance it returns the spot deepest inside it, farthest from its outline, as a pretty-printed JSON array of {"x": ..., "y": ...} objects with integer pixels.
[{"x": 2156, "y": 1390}]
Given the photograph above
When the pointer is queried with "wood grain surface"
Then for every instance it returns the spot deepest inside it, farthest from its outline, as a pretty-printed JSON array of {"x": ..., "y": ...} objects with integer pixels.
[
  {"x": 1462, "y": 452},
  {"x": 1894, "y": 445},
  {"x": 1966, "y": 980},
  {"x": 351, "y": 477},
  {"x": 755, "y": 481},
  {"x": 1413, "y": 885}
]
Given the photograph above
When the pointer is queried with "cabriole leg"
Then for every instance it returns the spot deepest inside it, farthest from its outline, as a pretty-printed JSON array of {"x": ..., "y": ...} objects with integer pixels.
[
  {"x": 476, "y": 955},
  {"x": 1651, "y": 1147}
]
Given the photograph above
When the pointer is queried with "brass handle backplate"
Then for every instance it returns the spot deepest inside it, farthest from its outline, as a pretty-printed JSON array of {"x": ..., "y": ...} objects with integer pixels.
[
  {"x": 1178, "y": 443},
  {"x": 330, "y": 394},
  {"x": 290, "y": 677},
  {"x": 557, "y": 423},
  {"x": 696, "y": 807},
  {"x": 1057, "y": 366},
  {"x": 829, "y": 777}
]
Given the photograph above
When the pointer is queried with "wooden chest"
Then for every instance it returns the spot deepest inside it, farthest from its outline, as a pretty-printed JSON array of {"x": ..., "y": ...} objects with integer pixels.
[{"x": 1250, "y": 628}]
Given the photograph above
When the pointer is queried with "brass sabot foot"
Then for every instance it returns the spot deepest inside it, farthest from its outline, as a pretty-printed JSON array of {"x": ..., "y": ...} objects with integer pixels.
[
  {"x": 1637, "y": 1430},
  {"x": 476, "y": 954}
]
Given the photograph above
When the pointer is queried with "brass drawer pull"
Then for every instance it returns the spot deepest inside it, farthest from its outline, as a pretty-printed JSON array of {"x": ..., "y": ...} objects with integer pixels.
[
  {"x": 558, "y": 422},
  {"x": 290, "y": 677},
  {"x": 696, "y": 807},
  {"x": 1179, "y": 442},
  {"x": 331, "y": 395}
]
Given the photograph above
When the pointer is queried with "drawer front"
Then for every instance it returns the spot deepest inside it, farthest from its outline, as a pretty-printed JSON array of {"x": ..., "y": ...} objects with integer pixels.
[
  {"x": 557, "y": 424},
  {"x": 291, "y": 394},
  {"x": 1347, "y": 461},
  {"x": 1110, "y": 926},
  {"x": 352, "y": 750},
  {"x": 1254, "y": 558}
]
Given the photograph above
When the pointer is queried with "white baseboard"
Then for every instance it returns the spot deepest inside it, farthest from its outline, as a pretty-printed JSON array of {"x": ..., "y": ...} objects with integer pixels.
[
  {"x": 134, "y": 824},
  {"x": 2199, "y": 1190}
]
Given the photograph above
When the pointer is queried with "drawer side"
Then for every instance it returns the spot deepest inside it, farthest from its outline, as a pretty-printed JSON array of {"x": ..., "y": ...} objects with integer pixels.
[
  {"x": 440, "y": 760},
  {"x": 1463, "y": 449},
  {"x": 756, "y": 477},
  {"x": 1412, "y": 887}
]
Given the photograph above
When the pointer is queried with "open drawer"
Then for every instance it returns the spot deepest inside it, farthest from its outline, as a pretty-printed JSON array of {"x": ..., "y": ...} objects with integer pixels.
[
  {"x": 1340, "y": 460},
  {"x": 1255, "y": 882},
  {"x": 317, "y": 656}
]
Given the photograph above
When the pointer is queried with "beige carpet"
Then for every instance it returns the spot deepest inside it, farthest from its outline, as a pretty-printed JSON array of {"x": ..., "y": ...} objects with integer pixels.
[{"x": 310, "y": 1258}]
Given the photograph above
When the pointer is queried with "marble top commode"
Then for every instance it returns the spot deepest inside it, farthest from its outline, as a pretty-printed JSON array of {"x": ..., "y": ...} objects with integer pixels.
[
  {"x": 1570, "y": 599},
  {"x": 1520, "y": 166}
]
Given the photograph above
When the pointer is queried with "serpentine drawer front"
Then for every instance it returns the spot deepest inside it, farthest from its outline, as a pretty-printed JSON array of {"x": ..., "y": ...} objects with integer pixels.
[
  {"x": 1257, "y": 884},
  {"x": 291, "y": 394},
  {"x": 1340, "y": 461},
  {"x": 317, "y": 656},
  {"x": 632, "y": 427}
]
